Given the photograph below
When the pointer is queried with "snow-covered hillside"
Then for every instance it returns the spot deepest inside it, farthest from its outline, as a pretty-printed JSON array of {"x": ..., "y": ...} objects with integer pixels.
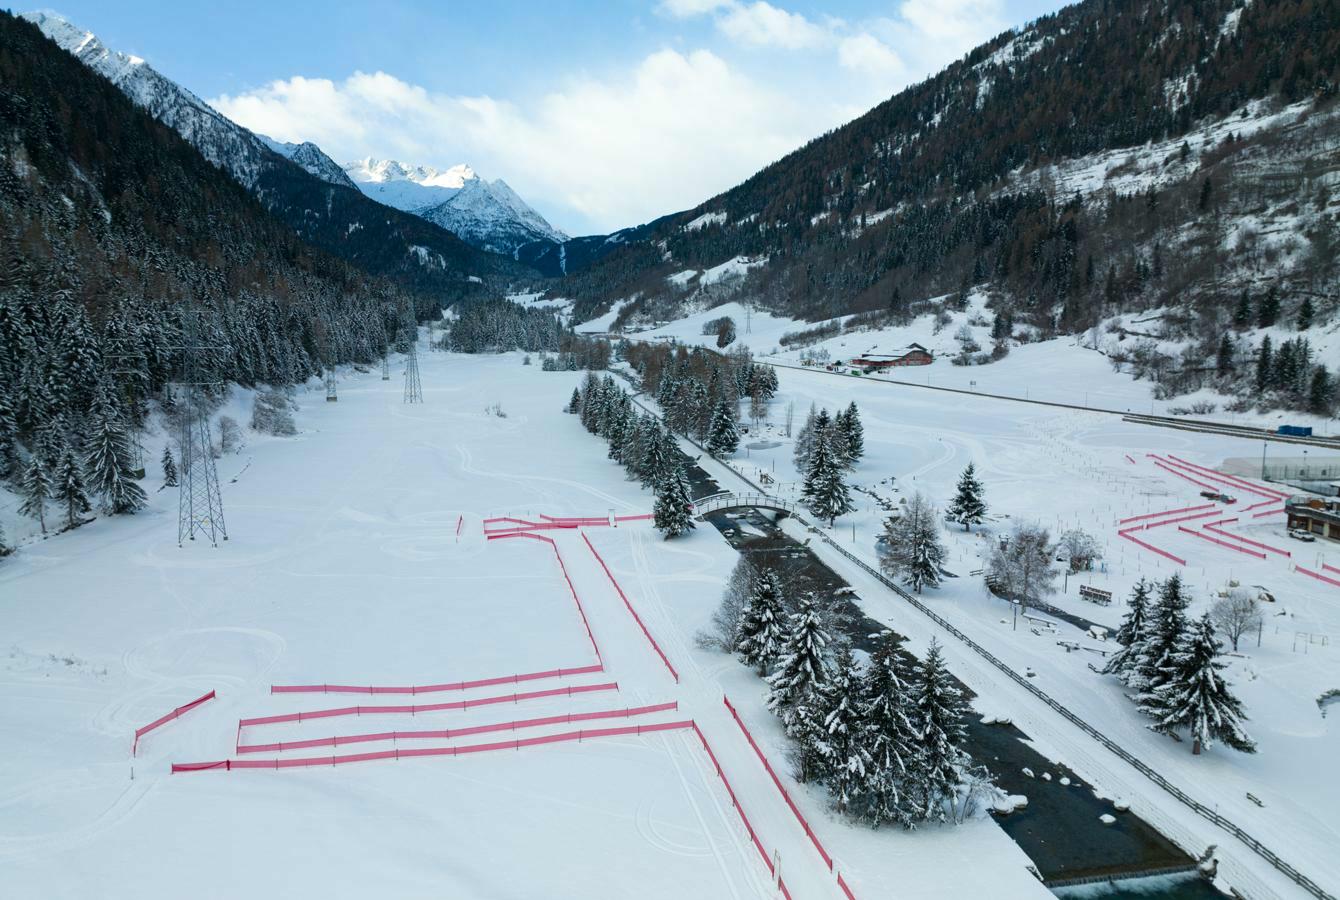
[
  {"x": 488, "y": 214},
  {"x": 312, "y": 158}
]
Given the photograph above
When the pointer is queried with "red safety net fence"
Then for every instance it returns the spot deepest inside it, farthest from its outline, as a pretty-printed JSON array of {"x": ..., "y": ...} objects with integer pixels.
[
  {"x": 1267, "y": 512},
  {"x": 744, "y": 817},
  {"x": 1180, "y": 474},
  {"x": 470, "y": 703},
  {"x": 1317, "y": 575},
  {"x": 1259, "y": 504},
  {"x": 559, "y": 556},
  {"x": 1330, "y": 568},
  {"x": 624, "y": 597},
  {"x": 451, "y": 733},
  {"x": 516, "y": 526},
  {"x": 1259, "y": 490},
  {"x": 163, "y": 720},
  {"x": 397, "y": 754},
  {"x": 1129, "y": 460},
  {"x": 1150, "y": 547},
  {"x": 1204, "y": 515},
  {"x": 431, "y": 688},
  {"x": 1248, "y": 541},
  {"x": 795, "y": 810},
  {"x": 1214, "y": 540},
  {"x": 1166, "y": 512}
]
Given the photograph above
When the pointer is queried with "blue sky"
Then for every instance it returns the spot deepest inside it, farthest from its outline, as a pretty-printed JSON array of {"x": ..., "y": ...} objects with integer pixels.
[{"x": 599, "y": 114}]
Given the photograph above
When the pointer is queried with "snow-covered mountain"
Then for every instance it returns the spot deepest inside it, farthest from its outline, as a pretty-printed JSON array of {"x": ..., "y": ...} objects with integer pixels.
[
  {"x": 312, "y": 158},
  {"x": 488, "y": 214},
  {"x": 220, "y": 140}
]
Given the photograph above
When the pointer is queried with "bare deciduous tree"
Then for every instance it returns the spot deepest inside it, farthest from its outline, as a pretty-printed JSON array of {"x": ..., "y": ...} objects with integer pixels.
[
  {"x": 1237, "y": 614},
  {"x": 1021, "y": 565}
]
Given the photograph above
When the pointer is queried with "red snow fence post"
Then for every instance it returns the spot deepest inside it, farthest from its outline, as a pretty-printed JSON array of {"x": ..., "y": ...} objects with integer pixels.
[
  {"x": 163, "y": 720},
  {"x": 1317, "y": 575},
  {"x": 1151, "y": 548},
  {"x": 636, "y": 618},
  {"x": 795, "y": 810},
  {"x": 1214, "y": 540},
  {"x": 229, "y": 765},
  {"x": 430, "y": 688}
]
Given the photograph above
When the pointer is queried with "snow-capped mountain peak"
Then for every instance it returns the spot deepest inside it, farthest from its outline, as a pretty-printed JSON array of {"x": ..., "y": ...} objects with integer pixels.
[
  {"x": 488, "y": 214},
  {"x": 312, "y": 158}
]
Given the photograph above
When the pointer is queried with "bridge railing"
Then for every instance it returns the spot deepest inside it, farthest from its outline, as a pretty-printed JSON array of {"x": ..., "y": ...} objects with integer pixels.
[{"x": 718, "y": 502}]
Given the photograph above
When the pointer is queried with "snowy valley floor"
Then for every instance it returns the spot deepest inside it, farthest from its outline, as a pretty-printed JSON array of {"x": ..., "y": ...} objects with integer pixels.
[{"x": 345, "y": 566}]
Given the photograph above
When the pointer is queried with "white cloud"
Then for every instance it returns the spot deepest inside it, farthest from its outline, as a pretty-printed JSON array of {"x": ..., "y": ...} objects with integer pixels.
[
  {"x": 595, "y": 154},
  {"x": 761, "y": 24},
  {"x": 683, "y": 9},
  {"x": 964, "y": 22},
  {"x": 868, "y": 55}
]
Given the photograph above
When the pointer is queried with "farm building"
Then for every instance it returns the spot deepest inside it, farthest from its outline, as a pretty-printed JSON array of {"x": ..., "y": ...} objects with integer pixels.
[
  {"x": 1315, "y": 514},
  {"x": 911, "y": 355}
]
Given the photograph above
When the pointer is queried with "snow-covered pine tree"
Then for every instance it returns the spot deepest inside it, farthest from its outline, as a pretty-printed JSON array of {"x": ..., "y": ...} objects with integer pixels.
[
  {"x": 762, "y": 629},
  {"x": 618, "y": 422},
  {"x": 68, "y": 488},
  {"x": 35, "y": 489},
  {"x": 891, "y": 740},
  {"x": 672, "y": 513},
  {"x": 574, "y": 404},
  {"x": 825, "y": 493},
  {"x": 169, "y": 467},
  {"x": 109, "y": 459},
  {"x": 841, "y": 744},
  {"x": 805, "y": 441},
  {"x": 1167, "y": 629},
  {"x": 9, "y": 435},
  {"x": 912, "y": 548},
  {"x": 1196, "y": 697},
  {"x": 1130, "y": 634},
  {"x": 658, "y": 457},
  {"x": 590, "y": 392},
  {"x": 968, "y": 508},
  {"x": 939, "y": 712},
  {"x": 723, "y": 438},
  {"x": 801, "y": 666},
  {"x": 853, "y": 432},
  {"x": 634, "y": 443}
]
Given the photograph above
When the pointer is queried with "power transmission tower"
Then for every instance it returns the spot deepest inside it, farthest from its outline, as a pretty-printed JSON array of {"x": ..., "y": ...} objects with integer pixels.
[
  {"x": 199, "y": 502},
  {"x": 413, "y": 389}
]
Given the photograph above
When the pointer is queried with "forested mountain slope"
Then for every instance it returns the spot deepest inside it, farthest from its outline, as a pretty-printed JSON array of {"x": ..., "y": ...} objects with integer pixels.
[
  {"x": 322, "y": 206},
  {"x": 1174, "y": 156},
  {"x": 112, "y": 225}
]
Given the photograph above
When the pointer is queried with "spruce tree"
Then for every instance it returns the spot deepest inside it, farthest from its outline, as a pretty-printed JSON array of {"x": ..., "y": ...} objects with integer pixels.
[
  {"x": 1321, "y": 392},
  {"x": 68, "y": 490},
  {"x": 1242, "y": 314},
  {"x": 658, "y": 456},
  {"x": 968, "y": 507},
  {"x": 912, "y": 548},
  {"x": 842, "y": 743},
  {"x": 825, "y": 493},
  {"x": 1196, "y": 697},
  {"x": 891, "y": 741},
  {"x": 805, "y": 441},
  {"x": 762, "y": 629},
  {"x": 672, "y": 513},
  {"x": 169, "y": 467},
  {"x": 108, "y": 458},
  {"x": 1269, "y": 310},
  {"x": 1264, "y": 365},
  {"x": 938, "y": 714},
  {"x": 1305, "y": 314},
  {"x": 1167, "y": 628},
  {"x": 35, "y": 489},
  {"x": 801, "y": 666},
  {"x": 9, "y": 435},
  {"x": 723, "y": 438},
  {"x": 1223, "y": 362},
  {"x": 1131, "y": 634},
  {"x": 574, "y": 404},
  {"x": 853, "y": 432}
]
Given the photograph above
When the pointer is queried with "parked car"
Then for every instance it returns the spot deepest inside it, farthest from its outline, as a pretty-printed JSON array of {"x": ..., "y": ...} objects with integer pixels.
[
  {"x": 1300, "y": 534},
  {"x": 1216, "y": 496}
]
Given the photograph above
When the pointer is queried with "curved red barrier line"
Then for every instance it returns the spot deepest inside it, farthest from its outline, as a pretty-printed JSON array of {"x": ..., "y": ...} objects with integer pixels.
[{"x": 559, "y": 556}]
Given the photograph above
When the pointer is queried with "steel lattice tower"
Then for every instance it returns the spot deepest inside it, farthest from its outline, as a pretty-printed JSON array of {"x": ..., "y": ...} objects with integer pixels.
[
  {"x": 413, "y": 389},
  {"x": 199, "y": 502}
]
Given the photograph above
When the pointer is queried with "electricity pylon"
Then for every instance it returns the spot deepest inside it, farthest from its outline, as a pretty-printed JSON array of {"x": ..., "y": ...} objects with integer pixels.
[
  {"x": 413, "y": 389},
  {"x": 199, "y": 501}
]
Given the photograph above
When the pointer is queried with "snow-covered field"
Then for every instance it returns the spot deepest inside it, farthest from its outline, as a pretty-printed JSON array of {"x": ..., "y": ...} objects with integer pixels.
[
  {"x": 344, "y": 566},
  {"x": 1068, "y": 469}
]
